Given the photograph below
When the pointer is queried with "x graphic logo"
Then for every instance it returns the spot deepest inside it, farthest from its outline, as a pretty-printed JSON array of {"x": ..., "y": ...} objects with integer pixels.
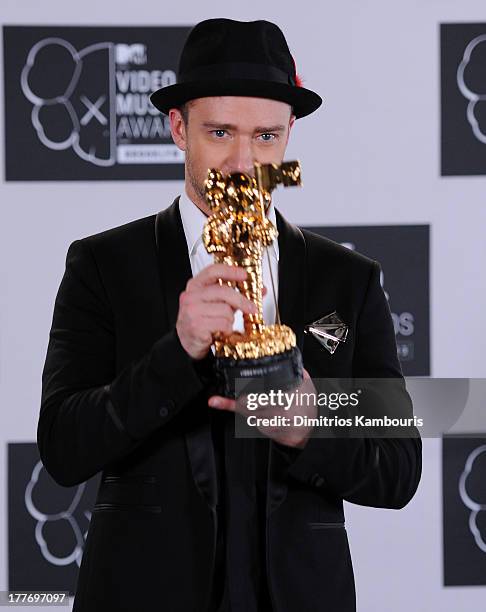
[{"x": 93, "y": 110}]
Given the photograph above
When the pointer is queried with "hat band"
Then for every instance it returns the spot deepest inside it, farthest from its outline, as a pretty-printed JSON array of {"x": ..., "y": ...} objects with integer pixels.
[{"x": 237, "y": 70}]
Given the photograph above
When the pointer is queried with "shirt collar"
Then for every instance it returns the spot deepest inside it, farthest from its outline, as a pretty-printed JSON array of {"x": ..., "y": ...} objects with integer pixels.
[{"x": 193, "y": 220}]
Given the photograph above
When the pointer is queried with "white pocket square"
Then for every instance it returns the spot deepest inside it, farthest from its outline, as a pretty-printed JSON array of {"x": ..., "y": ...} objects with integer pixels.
[{"x": 330, "y": 331}]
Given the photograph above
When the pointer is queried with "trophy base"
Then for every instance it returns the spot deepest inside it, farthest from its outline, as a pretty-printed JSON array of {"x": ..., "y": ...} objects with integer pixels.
[{"x": 281, "y": 371}]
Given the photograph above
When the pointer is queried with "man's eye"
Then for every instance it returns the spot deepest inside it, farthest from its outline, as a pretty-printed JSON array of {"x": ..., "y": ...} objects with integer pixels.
[
  {"x": 267, "y": 137},
  {"x": 219, "y": 133}
]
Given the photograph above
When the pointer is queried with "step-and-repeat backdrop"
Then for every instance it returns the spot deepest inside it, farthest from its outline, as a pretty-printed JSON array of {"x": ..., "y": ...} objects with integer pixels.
[{"x": 77, "y": 110}]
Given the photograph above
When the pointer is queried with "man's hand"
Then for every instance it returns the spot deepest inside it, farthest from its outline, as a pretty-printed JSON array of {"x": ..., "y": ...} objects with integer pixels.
[
  {"x": 289, "y": 435},
  {"x": 206, "y": 307}
]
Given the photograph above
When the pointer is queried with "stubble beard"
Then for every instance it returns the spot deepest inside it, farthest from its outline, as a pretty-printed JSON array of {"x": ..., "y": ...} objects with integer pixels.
[{"x": 196, "y": 185}]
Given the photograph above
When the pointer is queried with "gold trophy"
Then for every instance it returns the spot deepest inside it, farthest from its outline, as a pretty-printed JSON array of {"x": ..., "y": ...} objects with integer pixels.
[{"x": 237, "y": 233}]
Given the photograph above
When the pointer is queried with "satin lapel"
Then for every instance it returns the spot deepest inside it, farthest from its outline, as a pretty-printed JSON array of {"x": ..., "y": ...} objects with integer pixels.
[
  {"x": 292, "y": 277},
  {"x": 292, "y": 299},
  {"x": 174, "y": 264},
  {"x": 175, "y": 271}
]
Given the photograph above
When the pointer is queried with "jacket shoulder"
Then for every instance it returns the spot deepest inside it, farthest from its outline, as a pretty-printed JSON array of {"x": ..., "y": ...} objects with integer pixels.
[
  {"x": 122, "y": 235},
  {"x": 118, "y": 251},
  {"x": 321, "y": 249}
]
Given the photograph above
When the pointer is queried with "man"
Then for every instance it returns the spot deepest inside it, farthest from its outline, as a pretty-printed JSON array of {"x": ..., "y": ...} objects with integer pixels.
[{"x": 189, "y": 517}]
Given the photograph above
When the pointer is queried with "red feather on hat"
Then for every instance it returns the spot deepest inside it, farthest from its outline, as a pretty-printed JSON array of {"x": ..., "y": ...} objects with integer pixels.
[{"x": 298, "y": 79}]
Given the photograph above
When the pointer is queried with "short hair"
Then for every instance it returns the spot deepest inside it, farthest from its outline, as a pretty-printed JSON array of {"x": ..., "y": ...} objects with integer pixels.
[{"x": 184, "y": 110}]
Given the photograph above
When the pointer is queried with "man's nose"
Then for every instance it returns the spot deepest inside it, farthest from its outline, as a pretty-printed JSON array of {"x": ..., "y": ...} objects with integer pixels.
[{"x": 240, "y": 158}]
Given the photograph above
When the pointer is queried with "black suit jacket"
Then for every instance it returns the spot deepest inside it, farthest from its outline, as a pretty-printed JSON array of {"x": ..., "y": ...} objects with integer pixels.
[{"x": 121, "y": 396}]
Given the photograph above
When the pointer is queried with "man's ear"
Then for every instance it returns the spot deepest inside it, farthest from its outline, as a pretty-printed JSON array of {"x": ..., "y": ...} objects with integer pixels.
[
  {"x": 291, "y": 125},
  {"x": 178, "y": 128}
]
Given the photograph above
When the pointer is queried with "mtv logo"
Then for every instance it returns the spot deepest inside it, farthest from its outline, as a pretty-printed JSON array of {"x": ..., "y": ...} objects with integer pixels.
[
  {"x": 77, "y": 102},
  {"x": 131, "y": 54},
  {"x": 48, "y": 524},
  {"x": 403, "y": 252},
  {"x": 463, "y": 122},
  {"x": 464, "y": 509}
]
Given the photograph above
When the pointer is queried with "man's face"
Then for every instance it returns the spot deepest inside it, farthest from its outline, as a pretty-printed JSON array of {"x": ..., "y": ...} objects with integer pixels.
[{"x": 229, "y": 133}]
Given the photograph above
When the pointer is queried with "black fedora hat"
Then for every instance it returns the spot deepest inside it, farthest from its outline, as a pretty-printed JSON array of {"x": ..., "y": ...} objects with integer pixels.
[{"x": 224, "y": 57}]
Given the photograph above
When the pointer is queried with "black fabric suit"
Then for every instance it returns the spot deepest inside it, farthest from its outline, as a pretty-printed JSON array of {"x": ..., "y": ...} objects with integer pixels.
[{"x": 120, "y": 395}]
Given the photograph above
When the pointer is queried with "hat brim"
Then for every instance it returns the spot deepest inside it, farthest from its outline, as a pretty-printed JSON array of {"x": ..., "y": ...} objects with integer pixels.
[{"x": 304, "y": 101}]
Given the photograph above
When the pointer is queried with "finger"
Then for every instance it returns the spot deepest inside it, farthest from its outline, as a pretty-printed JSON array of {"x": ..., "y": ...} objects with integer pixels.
[
  {"x": 222, "y": 403},
  {"x": 216, "y": 309},
  {"x": 200, "y": 316},
  {"x": 212, "y": 273},
  {"x": 202, "y": 342},
  {"x": 228, "y": 295},
  {"x": 217, "y": 324},
  {"x": 194, "y": 309}
]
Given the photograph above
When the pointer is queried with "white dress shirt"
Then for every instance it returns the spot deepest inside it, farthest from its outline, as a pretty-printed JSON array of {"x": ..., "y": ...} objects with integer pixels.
[{"x": 193, "y": 220}]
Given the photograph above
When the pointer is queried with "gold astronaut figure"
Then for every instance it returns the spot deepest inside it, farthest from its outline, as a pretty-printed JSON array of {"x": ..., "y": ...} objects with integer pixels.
[{"x": 236, "y": 234}]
